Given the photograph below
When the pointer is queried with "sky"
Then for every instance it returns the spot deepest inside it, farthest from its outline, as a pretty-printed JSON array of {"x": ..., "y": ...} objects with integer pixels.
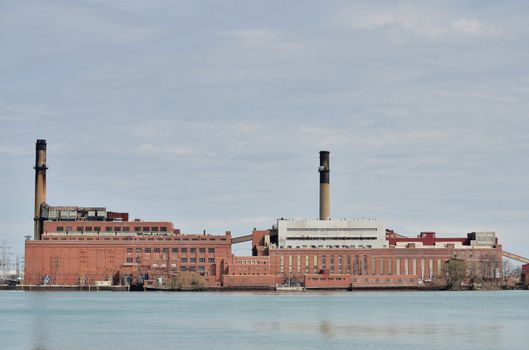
[{"x": 210, "y": 114}]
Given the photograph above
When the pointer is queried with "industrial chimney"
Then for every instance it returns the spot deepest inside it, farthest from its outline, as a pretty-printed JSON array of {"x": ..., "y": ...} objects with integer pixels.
[
  {"x": 40, "y": 186},
  {"x": 325, "y": 200}
]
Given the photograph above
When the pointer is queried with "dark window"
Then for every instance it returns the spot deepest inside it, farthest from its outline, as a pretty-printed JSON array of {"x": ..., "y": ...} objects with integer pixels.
[
  {"x": 88, "y": 229},
  {"x": 183, "y": 268},
  {"x": 108, "y": 229},
  {"x": 184, "y": 250},
  {"x": 211, "y": 250},
  {"x": 191, "y": 268},
  {"x": 126, "y": 229},
  {"x": 183, "y": 260},
  {"x": 117, "y": 229},
  {"x": 138, "y": 250},
  {"x": 192, "y": 260},
  {"x": 163, "y": 229},
  {"x": 145, "y": 229},
  {"x": 129, "y": 260},
  {"x": 211, "y": 260},
  {"x": 202, "y": 260},
  {"x": 192, "y": 250},
  {"x": 202, "y": 250},
  {"x": 165, "y": 250},
  {"x": 175, "y": 250},
  {"x": 129, "y": 250},
  {"x": 138, "y": 259},
  {"x": 68, "y": 228},
  {"x": 147, "y": 250},
  {"x": 201, "y": 269},
  {"x": 79, "y": 229},
  {"x": 97, "y": 228},
  {"x": 156, "y": 250},
  {"x": 154, "y": 229},
  {"x": 137, "y": 228}
]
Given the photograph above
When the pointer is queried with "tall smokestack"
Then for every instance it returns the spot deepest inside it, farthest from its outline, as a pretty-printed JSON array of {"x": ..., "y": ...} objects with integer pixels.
[
  {"x": 40, "y": 185},
  {"x": 325, "y": 195}
]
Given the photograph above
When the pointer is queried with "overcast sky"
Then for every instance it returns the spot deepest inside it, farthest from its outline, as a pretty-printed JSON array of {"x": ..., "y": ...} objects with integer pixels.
[{"x": 211, "y": 114}]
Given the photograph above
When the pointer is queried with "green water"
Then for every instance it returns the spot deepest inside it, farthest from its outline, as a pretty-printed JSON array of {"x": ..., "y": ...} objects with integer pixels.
[{"x": 341, "y": 320}]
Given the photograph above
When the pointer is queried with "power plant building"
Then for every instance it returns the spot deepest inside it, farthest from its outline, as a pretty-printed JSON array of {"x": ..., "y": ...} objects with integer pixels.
[{"x": 83, "y": 246}]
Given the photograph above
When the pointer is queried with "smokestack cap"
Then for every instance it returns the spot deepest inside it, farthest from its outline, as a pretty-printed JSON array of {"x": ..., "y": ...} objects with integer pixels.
[{"x": 41, "y": 144}]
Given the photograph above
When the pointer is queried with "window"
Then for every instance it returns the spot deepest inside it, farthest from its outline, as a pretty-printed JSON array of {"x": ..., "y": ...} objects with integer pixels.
[
  {"x": 108, "y": 229},
  {"x": 192, "y": 250},
  {"x": 154, "y": 229},
  {"x": 88, "y": 229},
  {"x": 202, "y": 250},
  {"x": 339, "y": 264},
  {"x": 129, "y": 250},
  {"x": 165, "y": 250},
  {"x": 138, "y": 250},
  {"x": 126, "y": 229},
  {"x": 282, "y": 263},
  {"x": 175, "y": 250},
  {"x": 211, "y": 250},
  {"x": 129, "y": 260},
  {"x": 68, "y": 228},
  {"x": 146, "y": 229},
  {"x": 137, "y": 228},
  {"x": 331, "y": 262},
  {"x": 202, "y": 260},
  {"x": 97, "y": 228},
  {"x": 79, "y": 229},
  {"x": 60, "y": 228},
  {"x": 211, "y": 260},
  {"x": 191, "y": 268},
  {"x": 117, "y": 229},
  {"x": 201, "y": 269},
  {"x": 323, "y": 262},
  {"x": 192, "y": 260},
  {"x": 156, "y": 250},
  {"x": 183, "y": 260},
  {"x": 183, "y": 268},
  {"x": 147, "y": 250},
  {"x": 184, "y": 250},
  {"x": 138, "y": 259},
  {"x": 163, "y": 229}
]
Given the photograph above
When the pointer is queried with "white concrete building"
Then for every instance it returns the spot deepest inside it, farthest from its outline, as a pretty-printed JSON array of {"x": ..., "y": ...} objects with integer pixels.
[{"x": 350, "y": 233}]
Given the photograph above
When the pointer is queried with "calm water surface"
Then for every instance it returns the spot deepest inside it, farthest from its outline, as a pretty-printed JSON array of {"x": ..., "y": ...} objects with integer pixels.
[{"x": 342, "y": 320}]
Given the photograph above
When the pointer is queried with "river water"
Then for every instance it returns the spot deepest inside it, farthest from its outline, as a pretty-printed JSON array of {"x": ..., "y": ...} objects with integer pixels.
[{"x": 228, "y": 320}]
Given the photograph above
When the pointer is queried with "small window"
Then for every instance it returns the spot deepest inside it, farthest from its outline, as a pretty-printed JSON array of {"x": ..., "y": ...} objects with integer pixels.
[
  {"x": 154, "y": 229},
  {"x": 126, "y": 229},
  {"x": 145, "y": 229},
  {"x": 88, "y": 229},
  {"x": 156, "y": 250},
  {"x": 129, "y": 260},
  {"x": 138, "y": 250},
  {"x": 165, "y": 250},
  {"x": 175, "y": 250},
  {"x": 192, "y": 260},
  {"x": 211, "y": 260},
  {"x": 79, "y": 229},
  {"x": 108, "y": 229},
  {"x": 68, "y": 228},
  {"x": 201, "y": 269},
  {"x": 191, "y": 268},
  {"x": 184, "y": 250},
  {"x": 202, "y": 250},
  {"x": 183, "y": 268},
  {"x": 138, "y": 259},
  {"x": 211, "y": 250},
  {"x": 183, "y": 260},
  {"x": 117, "y": 229},
  {"x": 147, "y": 250},
  {"x": 192, "y": 250},
  {"x": 137, "y": 228},
  {"x": 129, "y": 250},
  {"x": 202, "y": 260},
  {"x": 97, "y": 228},
  {"x": 163, "y": 229}
]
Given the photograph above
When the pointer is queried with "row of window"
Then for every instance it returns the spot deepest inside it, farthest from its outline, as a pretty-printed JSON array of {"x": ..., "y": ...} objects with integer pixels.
[
  {"x": 173, "y": 250},
  {"x": 111, "y": 229},
  {"x": 332, "y": 229},
  {"x": 182, "y": 260}
]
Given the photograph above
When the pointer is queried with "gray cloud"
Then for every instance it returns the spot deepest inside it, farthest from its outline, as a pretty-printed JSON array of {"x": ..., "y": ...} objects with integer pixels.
[{"x": 212, "y": 115}]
